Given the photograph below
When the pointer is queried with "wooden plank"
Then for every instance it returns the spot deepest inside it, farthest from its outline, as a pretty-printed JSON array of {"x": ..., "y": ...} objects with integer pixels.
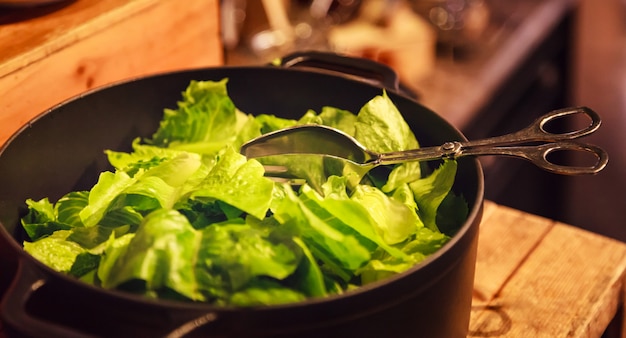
[
  {"x": 31, "y": 35},
  {"x": 570, "y": 285},
  {"x": 506, "y": 238},
  {"x": 167, "y": 35}
]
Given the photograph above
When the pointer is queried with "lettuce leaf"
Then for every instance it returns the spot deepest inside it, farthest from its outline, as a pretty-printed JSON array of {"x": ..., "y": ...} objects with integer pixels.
[
  {"x": 160, "y": 186},
  {"x": 41, "y": 219},
  {"x": 341, "y": 119},
  {"x": 55, "y": 251},
  {"x": 340, "y": 252},
  {"x": 394, "y": 221},
  {"x": 237, "y": 182},
  {"x": 204, "y": 121},
  {"x": 265, "y": 292},
  {"x": 240, "y": 253},
  {"x": 381, "y": 128},
  {"x": 430, "y": 191},
  {"x": 343, "y": 211},
  {"x": 161, "y": 254}
]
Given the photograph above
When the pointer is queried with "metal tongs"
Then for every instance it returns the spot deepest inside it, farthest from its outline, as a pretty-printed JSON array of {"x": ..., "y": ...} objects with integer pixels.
[{"x": 315, "y": 152}]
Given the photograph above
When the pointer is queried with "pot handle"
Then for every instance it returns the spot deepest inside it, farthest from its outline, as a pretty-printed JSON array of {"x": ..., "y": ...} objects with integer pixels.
[
  {"x": 359, "y": 68},
  {"x": 13, "y": 310}
]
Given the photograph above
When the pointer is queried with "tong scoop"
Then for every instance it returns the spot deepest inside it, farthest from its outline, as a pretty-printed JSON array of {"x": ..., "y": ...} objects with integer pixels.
[{"x": 314, "y": 152}]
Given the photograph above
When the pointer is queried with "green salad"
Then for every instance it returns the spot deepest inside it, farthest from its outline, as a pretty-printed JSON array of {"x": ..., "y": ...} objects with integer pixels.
[{"x": 185, "y": 216}]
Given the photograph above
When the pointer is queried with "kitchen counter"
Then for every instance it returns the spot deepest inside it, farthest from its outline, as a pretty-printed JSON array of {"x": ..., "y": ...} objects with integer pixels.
[{"x": 539, "y": 278}]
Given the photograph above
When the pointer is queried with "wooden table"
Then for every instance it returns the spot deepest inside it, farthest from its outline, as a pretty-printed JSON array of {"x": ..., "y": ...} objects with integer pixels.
[{"x": 540, "y": 278}]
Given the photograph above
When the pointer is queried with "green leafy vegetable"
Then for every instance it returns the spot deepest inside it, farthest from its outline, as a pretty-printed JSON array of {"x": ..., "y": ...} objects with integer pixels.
[
  {"x": 184, "y": 216},
  {"x": 430, "y": 191},
  {"x": 55, "y": 251},
  {"x": 205, "y": 115},
  {"x": 237, "y": 182}
]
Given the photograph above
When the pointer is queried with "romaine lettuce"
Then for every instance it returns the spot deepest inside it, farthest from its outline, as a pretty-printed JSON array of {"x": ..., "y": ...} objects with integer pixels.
[{"x": 185, "y": 216}]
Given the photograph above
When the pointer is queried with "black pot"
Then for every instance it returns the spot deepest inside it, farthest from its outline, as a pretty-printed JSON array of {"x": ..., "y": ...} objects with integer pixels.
[{"x": 62, "y": 150}]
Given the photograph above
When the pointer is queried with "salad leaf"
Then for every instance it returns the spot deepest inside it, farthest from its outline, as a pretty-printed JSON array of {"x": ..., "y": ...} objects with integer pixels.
[
  {"x": 68, "y": 207},
  {"x": 92, "y": 237},
  {"x": 55, "y": 251},
  {"x": 157, "y": 187},
  {"x": 84, "y": 264},
  {"x": 452, "y": 211},
  {"x": 341, "y": 119},
  {"x": 343, "y": 211},
  {"x": 109, "y": 186},
  {"x": 161, "y": 254},
  {"x": 142, "y": 157},
  {"x": 430, "y": 191},
  {"x": 239, "y": 253},
  {"x": 113, "y": 249},
  {"x": 269, "y": 123},
  {"x": 206, "y": 116},
  {"x": 248, "y": 127},
  {"x": 308, "y": 276},
  {"x": 266, "y": 292},
  {"x": 422, "y": 243},
  {"x": 402, "y": 174},
  {"x": 394, "y": 221},
  {"x": 340, "y": 252},
  {"x": 239, "y": 183},
  {"x": 41, "y": 219},
  {"x": 381, "y": 128}
]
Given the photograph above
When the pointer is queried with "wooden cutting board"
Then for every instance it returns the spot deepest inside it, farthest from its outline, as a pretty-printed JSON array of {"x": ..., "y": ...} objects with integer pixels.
[
  {"x": 49, "y": 54},
  {"x": 536, "y": 277}
]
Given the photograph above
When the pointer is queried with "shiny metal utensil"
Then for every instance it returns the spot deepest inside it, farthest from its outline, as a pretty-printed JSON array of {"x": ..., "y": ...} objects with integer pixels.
[{"x": 315, "y": 152}]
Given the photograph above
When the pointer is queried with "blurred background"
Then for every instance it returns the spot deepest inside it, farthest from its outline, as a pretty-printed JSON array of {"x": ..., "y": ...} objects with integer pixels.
[{"x": 488, "y": 66}]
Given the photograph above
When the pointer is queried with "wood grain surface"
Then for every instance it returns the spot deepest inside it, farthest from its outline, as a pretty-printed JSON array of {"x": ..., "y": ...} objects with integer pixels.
[
  {"x": 45, "y": 59},
  {"x": 539, "y": 278}
]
